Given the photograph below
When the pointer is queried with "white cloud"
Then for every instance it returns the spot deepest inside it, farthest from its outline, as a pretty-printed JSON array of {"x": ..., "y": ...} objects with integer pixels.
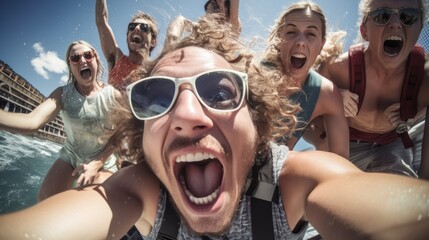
[{"x": 47, "y": 62}]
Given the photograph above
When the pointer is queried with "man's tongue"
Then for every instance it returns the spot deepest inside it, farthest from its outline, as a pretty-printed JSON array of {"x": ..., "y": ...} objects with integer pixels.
[{"x": 202, "y": 180}]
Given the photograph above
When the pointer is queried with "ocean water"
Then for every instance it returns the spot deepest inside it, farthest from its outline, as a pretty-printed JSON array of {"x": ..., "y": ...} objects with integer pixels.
[{"x": 24, "y": 162}]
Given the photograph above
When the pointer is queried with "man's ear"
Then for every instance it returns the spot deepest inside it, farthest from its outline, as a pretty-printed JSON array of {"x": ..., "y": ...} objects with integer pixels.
[
  {"x": 363, "y": 32},
  {"x": 323, "y": 44}
]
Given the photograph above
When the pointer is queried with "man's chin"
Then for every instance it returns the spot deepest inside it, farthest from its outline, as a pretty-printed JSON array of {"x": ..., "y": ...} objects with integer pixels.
[
  {"x": 138, "y": 49},
  {"x": 212, "y": 219},
  {"x": 209, "y": 225}
]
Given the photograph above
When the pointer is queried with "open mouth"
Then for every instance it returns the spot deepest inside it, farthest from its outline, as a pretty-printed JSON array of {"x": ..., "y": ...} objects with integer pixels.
[
  {"x": 298, "y": 60},
  {"x": 200, "y": 176},
  {"x": 85, "y": 73},
  {"x": 393, "y": 45},
  {"x": 136, "y": 39}
]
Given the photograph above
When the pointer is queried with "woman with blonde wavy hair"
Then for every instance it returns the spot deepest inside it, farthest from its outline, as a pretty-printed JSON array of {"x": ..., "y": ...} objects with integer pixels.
[
  {"x": 85, "y": 104},
  {"x": 294, "y": 45}
]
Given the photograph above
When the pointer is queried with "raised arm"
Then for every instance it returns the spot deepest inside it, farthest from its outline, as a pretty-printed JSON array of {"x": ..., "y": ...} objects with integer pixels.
[
  {"x": 109, "y": 46},
  {"x": 342, "y": 202},
  {"x": 234, "y": 15},
  {"x": 175, "y": 30},
  {"x": 28, "y": 123}
]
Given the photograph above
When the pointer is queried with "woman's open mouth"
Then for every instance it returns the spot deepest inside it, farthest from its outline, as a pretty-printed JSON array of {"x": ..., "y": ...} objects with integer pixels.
[
  {"x": 85, "y": 73},
  {"x": 298, "y": 60},
  {"x": 393, "y": 45}
]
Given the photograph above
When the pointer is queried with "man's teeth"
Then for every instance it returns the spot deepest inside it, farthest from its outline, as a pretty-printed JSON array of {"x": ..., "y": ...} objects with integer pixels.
[
  {"x": 194, "y": 157},
  {"x": 197, "y": 157},
  {"x": 395, "y": 37},
  {"x": 199, "y": 200}
]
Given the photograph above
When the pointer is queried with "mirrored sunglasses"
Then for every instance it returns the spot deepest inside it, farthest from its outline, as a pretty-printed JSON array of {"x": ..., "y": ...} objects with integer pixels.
[
  {"x": 407, "y": 16},
  {"x": 88, "y": 55},
  {"x": 218, "y": 90},
  {"x": 143, "y": 27}
]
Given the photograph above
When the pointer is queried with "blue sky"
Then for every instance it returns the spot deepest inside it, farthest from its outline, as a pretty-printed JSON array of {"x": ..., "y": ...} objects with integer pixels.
[{"x": 36, "y": 34}]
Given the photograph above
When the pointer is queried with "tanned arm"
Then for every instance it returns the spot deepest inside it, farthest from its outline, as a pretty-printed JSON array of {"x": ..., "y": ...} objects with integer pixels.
[
  {"x": 342, "y": 202},
  {"x": 108, "y": 42},
  {"x": 29, "y": 123}
]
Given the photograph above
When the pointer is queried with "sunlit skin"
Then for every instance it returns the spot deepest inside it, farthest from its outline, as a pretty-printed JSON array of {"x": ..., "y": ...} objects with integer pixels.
[{"x": 189, "y": 128}]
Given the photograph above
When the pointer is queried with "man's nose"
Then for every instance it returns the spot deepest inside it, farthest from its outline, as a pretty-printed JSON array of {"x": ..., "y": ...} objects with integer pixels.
[{"x": 189, "y": 116}]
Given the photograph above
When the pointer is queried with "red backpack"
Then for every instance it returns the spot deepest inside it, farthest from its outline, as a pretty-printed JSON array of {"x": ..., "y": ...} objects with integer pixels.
[{"x": 410, "y": 87}]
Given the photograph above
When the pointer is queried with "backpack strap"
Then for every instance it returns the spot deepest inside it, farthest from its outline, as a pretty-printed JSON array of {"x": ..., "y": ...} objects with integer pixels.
[
  {"x": 357, "y": 72},
  {"x": 410, "y": 90},
  {"x": 263, "y": 192},
  {"x": 170, "y": 222},
  {"x": 412, "y": 82}
]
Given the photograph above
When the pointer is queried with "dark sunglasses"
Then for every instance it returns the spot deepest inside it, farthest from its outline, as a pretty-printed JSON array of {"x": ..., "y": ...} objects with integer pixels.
[
  {"x": 218, "y": 90},
  {"x": 143, "y": 27},
  {"x": 88, "y": 55},
  {"x": 382, "y": 16}
]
